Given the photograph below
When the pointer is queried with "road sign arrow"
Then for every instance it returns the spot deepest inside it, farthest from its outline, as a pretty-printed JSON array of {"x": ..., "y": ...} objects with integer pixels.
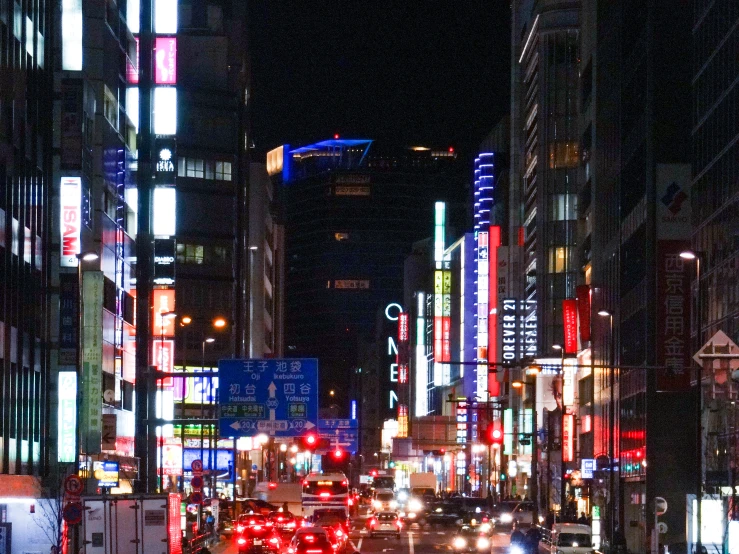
[
  {"x": 272, "y": 388},
  {"x": 309, "y": 425}
]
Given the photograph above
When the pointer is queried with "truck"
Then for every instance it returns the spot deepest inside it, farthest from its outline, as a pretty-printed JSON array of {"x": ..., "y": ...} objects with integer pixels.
[
  {"x": 279, "y": 494},
  {"x": 132, "y": 524},
  {"x": 422, "y": 494}
]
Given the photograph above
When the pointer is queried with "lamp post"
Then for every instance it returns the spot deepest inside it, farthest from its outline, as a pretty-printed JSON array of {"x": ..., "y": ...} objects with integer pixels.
[
  {"x": 611, "y": 419},
  {"x": 696, "y": 256},
  {"x": 563, "y": 464},
  {"x": 534, "y": 443}
]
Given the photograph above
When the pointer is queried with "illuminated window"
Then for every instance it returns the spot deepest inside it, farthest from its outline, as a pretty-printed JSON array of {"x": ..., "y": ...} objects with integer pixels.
[
  {"x": 341, "y": 236},
  {"x": 563, "y": 155},
  {"x": 223, "y": 171},
  {"x": 190, "y": 253},
  {"x": 194, "y": 168},
  {"x": 558, "y": 259},
  {"x": 210, "y": 169}
]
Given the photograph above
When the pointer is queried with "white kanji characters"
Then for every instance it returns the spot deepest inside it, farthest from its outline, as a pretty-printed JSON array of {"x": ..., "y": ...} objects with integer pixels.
[
  {"x": 281, "y": 367},
  {"x": 263, "y": 366},
  {"x": 250, "y": 390},
  {"x": 295, "y": 366},
  {"x": 289, "y": 388},
  {"x": 305, "y": 388}
]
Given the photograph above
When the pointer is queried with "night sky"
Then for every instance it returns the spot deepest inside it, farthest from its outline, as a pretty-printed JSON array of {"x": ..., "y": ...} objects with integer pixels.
[{"x": 404, "y": 72}]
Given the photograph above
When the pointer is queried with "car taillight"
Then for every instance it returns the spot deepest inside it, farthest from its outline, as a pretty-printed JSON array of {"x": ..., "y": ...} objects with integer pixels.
[
  {"x": 334, "y": 546},
  {"x": 350, "y": 502},
  {"x": 399, "y": 524},
  {"x": 372, "y": 522},
  {"x": 274, "y": 540},
  {"x": 241, "y": 540},
  {"x": 291, "y": 550},
  {"x": 239, "y": 528},
  {"x": 257, "y": 527},
  {"x": 310, "y": 538},
  {"x": 339, "y": 533},
  {"x": 325, "y": 495},
  {"x": 290, "y": 525},
  {"x": 269, "y": 524}
]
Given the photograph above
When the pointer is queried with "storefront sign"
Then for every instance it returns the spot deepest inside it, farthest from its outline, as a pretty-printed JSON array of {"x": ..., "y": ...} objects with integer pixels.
[
  {"x": 569, "y": 314},
  {"x": 70, "y": 204},
  {"x": 92, "y": 359},
  {"x": 568, "y": 437},
  {"x": 583, "y": 312},
  {"x": 67, "y": 416}
]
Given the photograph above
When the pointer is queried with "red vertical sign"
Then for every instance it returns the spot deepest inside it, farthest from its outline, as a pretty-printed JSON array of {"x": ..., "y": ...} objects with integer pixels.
[
  {"x": 583, "y": 311},
  {"x": 493, "y": 244},
  {"x": 569, "y": 315},
  {"x": 673, "y": 316}
]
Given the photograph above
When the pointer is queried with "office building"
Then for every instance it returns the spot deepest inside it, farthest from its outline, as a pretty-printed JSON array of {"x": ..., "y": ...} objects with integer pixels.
[{"x": 26, "y": 196}]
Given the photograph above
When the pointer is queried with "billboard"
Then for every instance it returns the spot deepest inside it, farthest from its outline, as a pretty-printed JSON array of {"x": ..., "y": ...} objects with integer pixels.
[
  {"x": 91, "y": 421},
  {"x": 163, "y": 300},
  {"x": 569, "y": 315},
  {"x": 70, "y": 213},
  {"x": 67, "y": 416},
  {"x": 165, "y": 61}
]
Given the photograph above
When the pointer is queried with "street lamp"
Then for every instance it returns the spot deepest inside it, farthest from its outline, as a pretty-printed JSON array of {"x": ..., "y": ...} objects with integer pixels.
[
  {"x": 611, "y": 417},
  {"x": 518, "y": 385},
  {"x": 690, "y": 255}
]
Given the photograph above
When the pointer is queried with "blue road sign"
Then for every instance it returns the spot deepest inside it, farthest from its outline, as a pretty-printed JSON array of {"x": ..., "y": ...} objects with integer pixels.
[
  {"x": 278, "y": 397},
  {"x": 341, "y": 432}
]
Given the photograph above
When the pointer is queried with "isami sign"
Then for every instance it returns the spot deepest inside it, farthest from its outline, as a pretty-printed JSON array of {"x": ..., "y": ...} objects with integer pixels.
[{"x": 70, "y": 215}]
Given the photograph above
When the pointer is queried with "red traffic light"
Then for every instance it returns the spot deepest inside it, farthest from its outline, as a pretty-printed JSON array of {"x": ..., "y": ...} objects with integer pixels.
[
  {"x": 338, "y": 454},
  {"x": 493, "y": 434},
  {"x": 309, "y": 441},
  {"x": 373, "y": 473}
]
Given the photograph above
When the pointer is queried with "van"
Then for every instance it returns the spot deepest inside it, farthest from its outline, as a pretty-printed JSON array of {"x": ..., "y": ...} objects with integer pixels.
[{"x": 571, "y": 538}]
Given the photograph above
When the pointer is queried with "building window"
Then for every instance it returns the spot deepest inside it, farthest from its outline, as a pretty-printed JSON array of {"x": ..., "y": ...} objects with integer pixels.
[
  {"x": 558, "y": 259},
  {"x": 563, "y": 207},
  {"x": 223, "y": 171},
  {"x": 563, "y": 155},
  {"x": 194, "y": 168},
  {"x": 190, "y": 253},
  {"x": 341, "y": 236},
  {"x": 210, "y": 169},
  {"x": 110, "y": 107}
]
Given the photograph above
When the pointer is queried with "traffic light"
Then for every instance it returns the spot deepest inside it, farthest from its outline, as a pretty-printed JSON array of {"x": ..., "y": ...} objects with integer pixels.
[
  {"x": 338, "y": 454},
  {"x": 391, "y": 464},
  {"x": 309, "y": 441},
  {"x": 493, "y": 434}
]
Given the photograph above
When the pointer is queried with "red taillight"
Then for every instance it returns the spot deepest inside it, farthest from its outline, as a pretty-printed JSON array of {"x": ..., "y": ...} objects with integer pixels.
[
  {"x": 310, "y": 538},
  {"x": 239, "y": 528},
  {"x": 485, "y": 520},
  {"x": 241, "y": 540},
  {"x": 325, "y": 495},
  {"x": 274, "y": 540},
  {"x": 399, "y": 524},
  {"x": 334, "y": 546},
  {"x": 257, "y": 527},
  {"x": 272, "y": 486},
  {"x": 339, "y": 533},
  {"x": 350, "y": 502},
  {"x": 291, "y": 550},
  {"x": 372, "y": 522},
  {"x": 269, "y": 524},
  {"x": 290, "y": 525}
]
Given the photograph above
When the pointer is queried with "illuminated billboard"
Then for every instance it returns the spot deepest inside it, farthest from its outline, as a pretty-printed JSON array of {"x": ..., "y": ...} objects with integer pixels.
[
  {"x": 165, "y": 17},
  {"x": 164, "y": 220},
  {"x": 165, "y": 110},
  {"x": 163, "y": 302},
  {"x": 70, "y": 203},
  {"x": 165, "y": 61},
  {"x": 71, "y": 35},
  {"x": 67, "y": 416}
]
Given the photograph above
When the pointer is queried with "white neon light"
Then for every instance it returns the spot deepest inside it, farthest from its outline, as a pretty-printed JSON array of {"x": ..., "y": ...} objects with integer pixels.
[
  {"x": 133, "y": 13},
  {"x": 132, "y": 105},
  {"x": 72, "y": 35},
  {"x": 462, "y": 310},
  {"x": 165, "y": 17},
  {"x": 388, "y": 312},
  {"x": 164, "y": 214},
  {"x": 165, "y": 110}
]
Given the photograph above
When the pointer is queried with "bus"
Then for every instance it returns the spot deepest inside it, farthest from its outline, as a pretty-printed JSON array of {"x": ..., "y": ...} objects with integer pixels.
[{"x": 324, "y": 492}]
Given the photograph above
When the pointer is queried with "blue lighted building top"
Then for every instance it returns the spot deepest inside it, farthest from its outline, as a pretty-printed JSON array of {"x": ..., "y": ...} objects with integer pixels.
[{"x": 325, "y": 155}]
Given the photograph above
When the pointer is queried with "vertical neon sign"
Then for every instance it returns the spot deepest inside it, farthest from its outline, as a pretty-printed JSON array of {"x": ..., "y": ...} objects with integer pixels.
[{"x": 482, "y": 315}]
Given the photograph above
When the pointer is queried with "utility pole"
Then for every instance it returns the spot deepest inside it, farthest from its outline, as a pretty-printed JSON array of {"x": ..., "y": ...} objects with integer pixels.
[{"x": 145, "y": 445}]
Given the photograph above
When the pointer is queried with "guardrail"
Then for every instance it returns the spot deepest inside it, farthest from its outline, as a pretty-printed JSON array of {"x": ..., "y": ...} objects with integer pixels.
[{"x": 197, "y": 544}]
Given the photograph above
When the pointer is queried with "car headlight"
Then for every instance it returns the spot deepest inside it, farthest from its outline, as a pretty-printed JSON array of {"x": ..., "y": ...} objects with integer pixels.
[
  {"x": 412, "y": 515},
  {"x": 393, "y": 504},
  {"x": 402, "y": 496},
  {"x": 459, "y": 542},
  {"x": 506, "y": 518},
  {"x": 377, "y": 504},
  {"x": 485, "y": 527},
  {"x": 483, "y": 543},
  {"x": 515, "y": 549},
  {"x": 415, "y": 505}
]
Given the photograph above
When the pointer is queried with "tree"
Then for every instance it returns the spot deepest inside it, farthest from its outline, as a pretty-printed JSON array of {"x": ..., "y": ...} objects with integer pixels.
[{"x": 48, "y": 517}]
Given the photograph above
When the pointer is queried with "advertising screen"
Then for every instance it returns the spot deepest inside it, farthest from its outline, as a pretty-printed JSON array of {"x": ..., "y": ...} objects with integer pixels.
[
  {"x": 165, "y": 61},
  {"x": 70, "y": 199}
]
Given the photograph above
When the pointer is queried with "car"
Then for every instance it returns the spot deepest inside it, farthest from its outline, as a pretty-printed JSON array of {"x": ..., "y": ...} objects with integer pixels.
[
  {"x": 331, "y": 517},
  {"x": 337, "y": 537},
  {"x": 571, "y": 538},
  {"x": 470, "y": 539},
  {"x": 510, "y": 511},
  {"x": 482, "y": 521},
  {"x": 284, "y": 523},
  {"x": 226, "y": 526},
  {"x": 310, "y": 540},
  {"x": 384, "y": 500},
  {"x": 385, "y": 523},
  {"x": 252, "y": 520},
  {"x": 444, "y": 513},
  {"x": 258, "y": 539}
]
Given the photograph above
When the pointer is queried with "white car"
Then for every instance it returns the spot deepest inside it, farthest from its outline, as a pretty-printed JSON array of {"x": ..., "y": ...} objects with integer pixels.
[
  {"x": 571, "y": 538},
  {"x": 384, "y": 501}
]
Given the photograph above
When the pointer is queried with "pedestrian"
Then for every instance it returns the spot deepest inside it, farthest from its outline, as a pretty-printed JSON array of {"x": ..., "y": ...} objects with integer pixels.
[
  {"x": 582, "y": 519},
  {"x": 517, "y": 537},
  {"x": 531, "y": 541}
]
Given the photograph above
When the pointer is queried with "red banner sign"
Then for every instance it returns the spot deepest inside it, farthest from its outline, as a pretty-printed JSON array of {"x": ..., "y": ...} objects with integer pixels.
[
  {"x": 673, "y": 316},
  {"x": 403, "y": 333},
  {"x": 569, "y": 314}
]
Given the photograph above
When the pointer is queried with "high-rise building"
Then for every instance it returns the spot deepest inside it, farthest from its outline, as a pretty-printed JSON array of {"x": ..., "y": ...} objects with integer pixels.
[
  {"x": 634, "y": 210},
  {"x": 715, "y": 218},
  {"x": 27, "y": 409},
  {"x": 352, "y": 211}
]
